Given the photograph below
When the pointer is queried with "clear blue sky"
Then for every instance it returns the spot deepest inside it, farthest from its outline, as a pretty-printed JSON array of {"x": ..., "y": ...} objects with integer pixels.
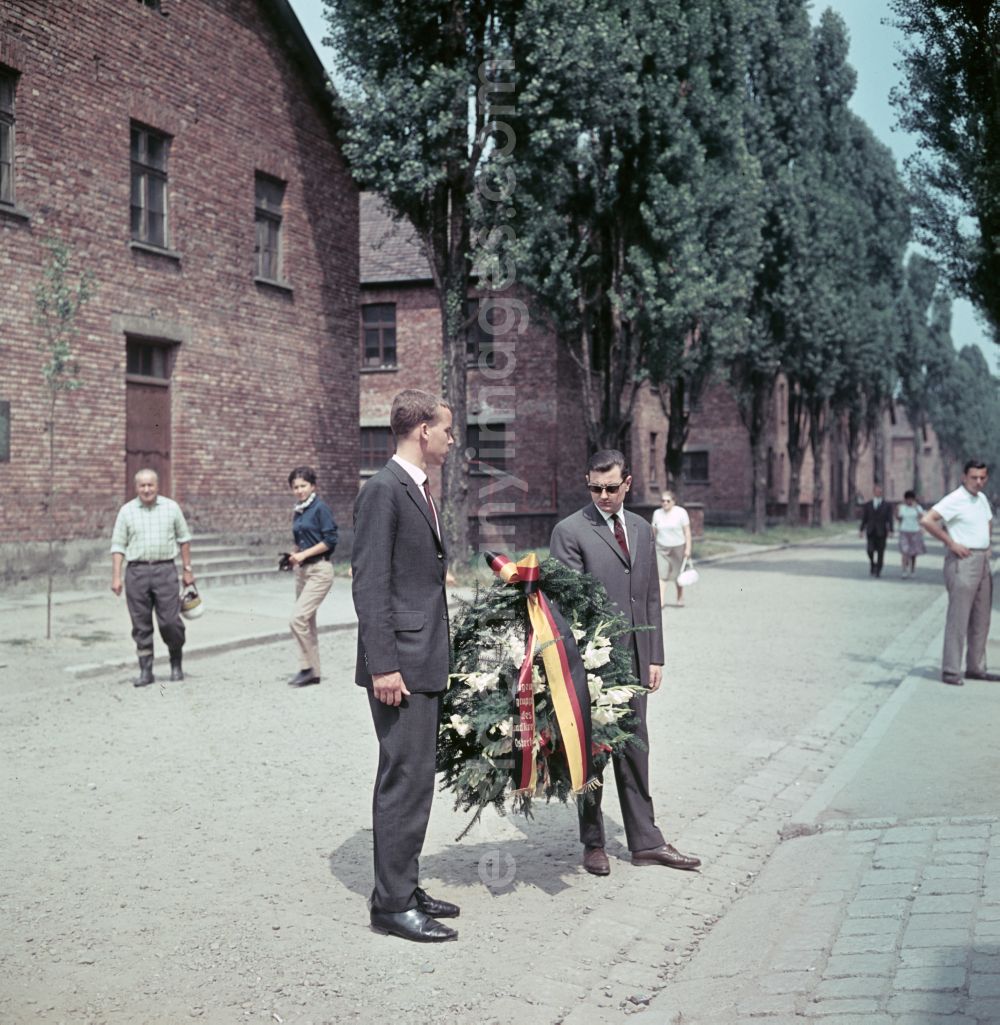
[{"x": 874, "y": 53}]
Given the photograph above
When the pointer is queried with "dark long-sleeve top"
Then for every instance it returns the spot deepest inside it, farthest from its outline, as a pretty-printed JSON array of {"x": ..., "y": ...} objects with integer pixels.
[{"x": 314, "y": 524}]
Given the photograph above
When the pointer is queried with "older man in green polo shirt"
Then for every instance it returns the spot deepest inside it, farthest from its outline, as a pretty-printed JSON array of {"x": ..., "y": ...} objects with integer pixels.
[{"x": 148, "y": 532}]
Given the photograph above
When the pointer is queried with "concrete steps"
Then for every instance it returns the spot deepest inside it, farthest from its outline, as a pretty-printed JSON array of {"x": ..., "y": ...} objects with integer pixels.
[{"x": 217, "y": 562}]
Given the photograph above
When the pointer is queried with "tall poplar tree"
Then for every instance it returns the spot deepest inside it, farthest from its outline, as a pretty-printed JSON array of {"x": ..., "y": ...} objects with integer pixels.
[
  {"x": 421, "y": 84},
  {"x": 780, "y": 126},
  {"x": 633, "y": 189},
  {"x": 951, "y": 102}
]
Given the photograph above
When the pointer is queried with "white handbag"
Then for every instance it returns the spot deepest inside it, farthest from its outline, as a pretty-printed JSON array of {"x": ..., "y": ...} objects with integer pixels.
[{"x": 688, "y": 574}]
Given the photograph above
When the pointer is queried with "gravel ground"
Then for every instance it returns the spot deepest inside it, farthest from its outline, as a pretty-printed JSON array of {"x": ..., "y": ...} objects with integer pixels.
[{"x": 202, "y": 850}]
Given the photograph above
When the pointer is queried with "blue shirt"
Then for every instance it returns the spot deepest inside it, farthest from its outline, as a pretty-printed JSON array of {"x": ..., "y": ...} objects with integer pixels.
[{"x": 315, "y": 524}]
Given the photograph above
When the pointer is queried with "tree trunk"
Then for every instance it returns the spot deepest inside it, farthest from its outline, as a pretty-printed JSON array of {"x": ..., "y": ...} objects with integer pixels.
[
  {"x": 50, "y": 517},
  {"x": 878, "y": 451},
  {"x": 854, "y": 436},
  {"x": 819, "y": 431},
  {"x": 918, "y": 439},
  {"x": 798, "y": 424},
  {"x": 793, "y": 512},
  {"x": 454, "y": 475},
  {"x": 757, "y": 422},
  {"x": 677, "y": 433}
]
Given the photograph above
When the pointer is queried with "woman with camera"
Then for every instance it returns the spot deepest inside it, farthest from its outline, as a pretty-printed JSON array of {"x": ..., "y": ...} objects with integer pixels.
[{"x": 315, "y": 535}]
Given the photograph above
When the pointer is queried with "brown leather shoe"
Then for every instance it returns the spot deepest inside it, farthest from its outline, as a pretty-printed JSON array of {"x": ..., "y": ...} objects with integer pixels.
[
  {"x": 595, "y": 861},
  {"x": 952, "y": 678},
  {"x": 667, "y": 855},
  {"x": 983, "y": 676}
]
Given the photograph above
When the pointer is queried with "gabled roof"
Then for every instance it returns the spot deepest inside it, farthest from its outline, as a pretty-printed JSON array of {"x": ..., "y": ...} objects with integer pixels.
[
  {"x": 390, "y": 250},
  {"x": 293, "y": 36}
]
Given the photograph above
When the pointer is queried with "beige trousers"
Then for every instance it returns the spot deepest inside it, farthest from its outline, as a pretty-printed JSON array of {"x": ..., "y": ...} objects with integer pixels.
[
  {"x": 970, "y": 600},
  {"x": 312, "y": 585}
]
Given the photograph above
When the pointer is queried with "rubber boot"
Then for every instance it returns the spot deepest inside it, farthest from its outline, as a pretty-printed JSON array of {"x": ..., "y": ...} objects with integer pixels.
[
  {"x": 176, "y": 672},
  {"x": 145, "y": 677}
]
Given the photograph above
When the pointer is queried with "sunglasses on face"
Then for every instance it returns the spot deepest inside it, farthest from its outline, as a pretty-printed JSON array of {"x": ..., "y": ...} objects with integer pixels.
[{"x": 611, "y": 489}]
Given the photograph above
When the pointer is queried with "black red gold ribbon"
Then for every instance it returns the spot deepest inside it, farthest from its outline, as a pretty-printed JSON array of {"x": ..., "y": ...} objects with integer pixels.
[{"x": 564, "y": 672}]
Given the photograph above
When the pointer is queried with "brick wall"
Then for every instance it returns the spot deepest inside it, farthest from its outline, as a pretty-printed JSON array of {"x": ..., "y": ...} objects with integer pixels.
[{"x": 263, "y": 377}]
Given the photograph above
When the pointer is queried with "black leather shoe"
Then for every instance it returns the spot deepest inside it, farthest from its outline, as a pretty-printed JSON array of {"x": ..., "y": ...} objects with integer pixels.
[
  {"x": 994, "y": 677},
  {"x": 303, "y": 678},
  {"x": 953, "y": 679},
  {"x": 412, "y": 925},
  {"x": 435, "y": 908},
  {"x": 668, "y": 856},
  {"x": 595, "y": 861}
]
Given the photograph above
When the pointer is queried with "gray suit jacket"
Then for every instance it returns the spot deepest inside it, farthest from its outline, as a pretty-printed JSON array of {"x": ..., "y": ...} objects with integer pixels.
[
  {"x": 399, "y": 567},
  {"x": 584, "y": 542}
]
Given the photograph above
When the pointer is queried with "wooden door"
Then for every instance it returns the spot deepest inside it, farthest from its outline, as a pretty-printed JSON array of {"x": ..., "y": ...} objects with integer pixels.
[{"x": 147, "y": 432}]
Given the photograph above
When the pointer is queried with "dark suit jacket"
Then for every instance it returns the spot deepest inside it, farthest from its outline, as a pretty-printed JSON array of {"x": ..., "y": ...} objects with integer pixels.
[
  {"x": 584, "y": 542},
  {"x": 876, "y": 522},
  {"x": 399, "y": 567}
]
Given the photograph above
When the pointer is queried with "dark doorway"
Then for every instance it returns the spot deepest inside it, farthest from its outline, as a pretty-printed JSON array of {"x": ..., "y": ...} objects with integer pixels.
[{"x": 147, "y": 412}]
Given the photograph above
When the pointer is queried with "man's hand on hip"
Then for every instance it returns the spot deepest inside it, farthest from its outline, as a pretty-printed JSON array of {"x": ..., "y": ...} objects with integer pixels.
[
  {"x": 960, "y": 550},
  {"x": 389, "y": 688},
  {"x": 655, "y": 677}
]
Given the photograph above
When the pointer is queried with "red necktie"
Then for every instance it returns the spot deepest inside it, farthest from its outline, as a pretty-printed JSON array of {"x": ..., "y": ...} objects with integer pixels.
[
  {"x": 430, "y": 502},
  {"x": 620, "y": 535}
]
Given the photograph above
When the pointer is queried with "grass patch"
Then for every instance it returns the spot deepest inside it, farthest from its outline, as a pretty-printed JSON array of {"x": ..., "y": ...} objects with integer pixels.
[{"x": 719, "y": 540}]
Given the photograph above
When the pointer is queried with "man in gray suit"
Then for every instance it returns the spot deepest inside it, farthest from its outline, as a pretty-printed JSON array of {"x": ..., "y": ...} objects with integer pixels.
[
  {"x": 617, "y": 548},
  {"x": 399, "y": 565}
]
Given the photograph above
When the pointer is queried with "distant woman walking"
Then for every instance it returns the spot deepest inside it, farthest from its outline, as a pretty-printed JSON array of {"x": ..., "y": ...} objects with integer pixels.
[
  {"x": 672, "y": 527},
  {"x": 315, "y": 539},
  {"x": 911, "y": 537}
]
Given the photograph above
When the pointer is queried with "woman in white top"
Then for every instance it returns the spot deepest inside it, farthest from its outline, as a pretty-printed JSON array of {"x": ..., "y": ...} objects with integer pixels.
[
  {"x": 911, "y": 537},
  {"x": 672, "y": 527}
]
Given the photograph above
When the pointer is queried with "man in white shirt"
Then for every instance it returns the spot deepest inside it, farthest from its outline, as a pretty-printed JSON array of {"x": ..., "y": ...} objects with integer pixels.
[{"x": 963, "y": 522}]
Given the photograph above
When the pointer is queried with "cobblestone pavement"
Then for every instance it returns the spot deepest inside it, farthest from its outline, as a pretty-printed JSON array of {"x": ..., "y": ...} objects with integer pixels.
[{"x": 203, "y": 851}]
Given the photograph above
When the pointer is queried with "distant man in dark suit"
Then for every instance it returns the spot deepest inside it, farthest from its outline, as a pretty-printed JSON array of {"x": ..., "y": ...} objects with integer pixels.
[
  {"x": 617, "y": 548},
  {"x": 876, "y": 523},
  {"x": 399, "y": 565}
]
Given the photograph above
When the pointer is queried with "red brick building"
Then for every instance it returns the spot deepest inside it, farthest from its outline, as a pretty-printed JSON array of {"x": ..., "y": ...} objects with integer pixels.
[{"x": 185, "y": 155}]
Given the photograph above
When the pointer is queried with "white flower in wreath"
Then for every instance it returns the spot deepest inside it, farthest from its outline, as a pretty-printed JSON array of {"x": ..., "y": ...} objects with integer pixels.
[
  {"x": 604, "y": 715},
  {"x": 578, "y": 633},
  {"x": 537, "y": 680},
  {"x": 461, "y": 726},
  {"x": 481, "y": 682},
  {"x": 618, "y": 696},
  {"x": 505, "y": 727},
  {"x": 596, "y": 655},
  {"x": 514, "y": 643},
  {"x": 595, "y": 685}
]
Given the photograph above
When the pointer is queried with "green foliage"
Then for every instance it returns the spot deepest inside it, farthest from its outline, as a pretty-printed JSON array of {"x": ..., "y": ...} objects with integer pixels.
[
  {"x": 633, "y": 213},
  {"x": 58, "y": 300},
  {"x": 476, "y": 764},
  {"x": 951, "y": 61},
  {"x": 416, "y": 134}
]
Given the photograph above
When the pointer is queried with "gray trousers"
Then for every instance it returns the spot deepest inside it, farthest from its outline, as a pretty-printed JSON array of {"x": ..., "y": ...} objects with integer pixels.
[
  {"x": 149, "y": 588},
  {"x": 970, "y": 599},
  {"x": 632, "y": 781},
  {"x": 404, "y": 790}
]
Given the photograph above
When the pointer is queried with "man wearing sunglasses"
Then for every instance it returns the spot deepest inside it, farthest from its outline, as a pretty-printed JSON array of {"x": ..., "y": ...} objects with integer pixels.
[{"x": 617, "y": 548}]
